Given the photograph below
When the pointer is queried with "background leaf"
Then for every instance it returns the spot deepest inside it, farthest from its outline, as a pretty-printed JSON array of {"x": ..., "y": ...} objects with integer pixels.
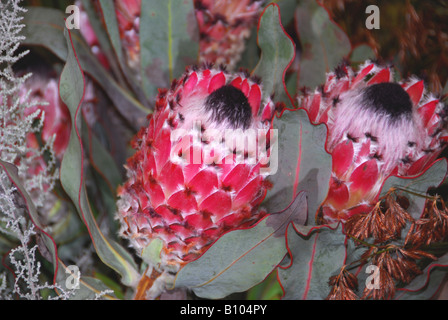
[
  {"x": 169, "y": 41},
  {"x": 323, "y": 42},
  {"x": 110, "y": 19},
  {"x": 277, "y": 54},
  {"x": 96, "y": 22},
  {"x": 71, "y": 173},
  {"x": 362, "y": 53},
  {"x": 317, "y": 254}
]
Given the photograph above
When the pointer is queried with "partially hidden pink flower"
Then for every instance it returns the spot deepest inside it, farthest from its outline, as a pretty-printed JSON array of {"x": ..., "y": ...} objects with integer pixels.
[{"x": 57, "y": 120}]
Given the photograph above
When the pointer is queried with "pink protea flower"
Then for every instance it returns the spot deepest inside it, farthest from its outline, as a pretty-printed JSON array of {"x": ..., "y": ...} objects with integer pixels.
[
  {"x": 189, "y": 180},
  {"x": 43, "y": 88},
  {"x": 57, "y": 120},
  {"x": 224, "y": 27},
  {"x": 376, "y": 128}
]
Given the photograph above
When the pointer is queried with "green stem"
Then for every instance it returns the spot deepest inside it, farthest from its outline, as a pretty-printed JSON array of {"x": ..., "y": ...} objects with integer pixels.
[{"x": 414, "y": 193}]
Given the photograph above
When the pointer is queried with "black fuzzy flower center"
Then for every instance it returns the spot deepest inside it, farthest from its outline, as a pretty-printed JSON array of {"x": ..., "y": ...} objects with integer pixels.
[
  {"x": 229, "y": 104},
  {"x": 388, "y": 98}
]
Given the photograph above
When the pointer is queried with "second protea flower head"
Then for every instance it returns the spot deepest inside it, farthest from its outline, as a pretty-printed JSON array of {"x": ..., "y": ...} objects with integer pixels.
[
  {"x": 200, "y": 166},
  {"x": 376, "y": 128}
]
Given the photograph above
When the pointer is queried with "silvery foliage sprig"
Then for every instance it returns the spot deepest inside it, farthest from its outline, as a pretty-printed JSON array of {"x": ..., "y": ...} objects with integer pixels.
[
  {"x": 15, "y": 123},
  {"x": 15, "y": 126},
  {"x": 27, "y": 268}
]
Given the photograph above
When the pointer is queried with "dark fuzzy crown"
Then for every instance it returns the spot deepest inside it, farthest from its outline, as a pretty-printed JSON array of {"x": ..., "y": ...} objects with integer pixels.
[
  {"x": 230, "y": 104},
  {"x": 388, "y": 98}
]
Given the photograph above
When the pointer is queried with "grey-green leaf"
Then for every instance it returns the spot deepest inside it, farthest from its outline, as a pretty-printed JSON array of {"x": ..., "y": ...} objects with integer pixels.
[
  {"x": 169, "y": 42},
  {"x": 72, "y": 176},
  {"x": 303, "y": 162},
  {"x": 317, "y": 254},
  {"x": 324, "y": 43},
  {"x": 277, "y": 53}
]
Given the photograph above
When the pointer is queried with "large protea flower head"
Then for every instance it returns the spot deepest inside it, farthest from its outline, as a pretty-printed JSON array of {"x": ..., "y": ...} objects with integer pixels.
[
  {"x": 224, "y": 26},
  {"x": 376, "y": 128},
  {"x": 200, "y": 165}
]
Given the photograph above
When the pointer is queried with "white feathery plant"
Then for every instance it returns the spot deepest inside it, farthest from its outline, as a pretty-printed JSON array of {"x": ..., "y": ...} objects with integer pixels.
[{"x": 16, "y": 123}]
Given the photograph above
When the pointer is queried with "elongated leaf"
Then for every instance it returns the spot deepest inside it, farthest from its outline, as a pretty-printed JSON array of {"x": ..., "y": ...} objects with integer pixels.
[
  {"x": 303, "y": 163},
  {"x": 86, "y": 289},
  {"x": 323, "y": 41},
  {"x": 243, "y": 258},
  {"x": 105, "y": 175},
  {"x": 110, "y": 19},
  {"x": 102, "y": 160},
  {"x": 101, "y": 34},
  {"x": 45, "y": 26},
  {"x": 317, "y": 254},
  {"x": 72, "y": 178},
  {"x": 277, "y": 54},
  {"x": 169, "y": 41}
]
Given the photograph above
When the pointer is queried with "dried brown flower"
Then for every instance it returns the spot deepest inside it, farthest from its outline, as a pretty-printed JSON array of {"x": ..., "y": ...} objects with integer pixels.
[
  {"x": 396, "y": 261},
  {"x": 395, "y": 218},
  {"x": 343, "y": 286},
  {"x": 432, "y": 227},
  {"x": 366, "y": 225},
  {"x": 385, "y": 221}
]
